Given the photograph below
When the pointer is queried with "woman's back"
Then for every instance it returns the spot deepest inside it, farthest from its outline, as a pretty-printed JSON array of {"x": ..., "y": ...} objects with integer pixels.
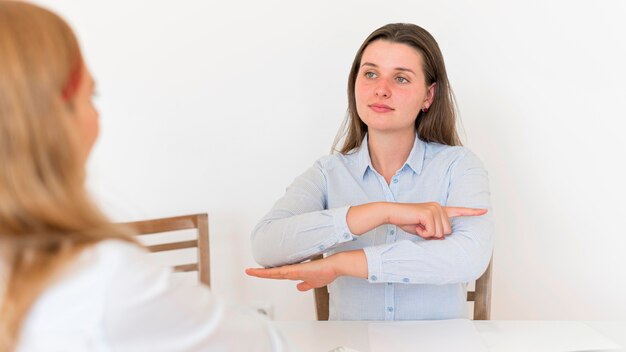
[
  {"x": 69, "y": 279},
  {"x": 114, "y": 297}
]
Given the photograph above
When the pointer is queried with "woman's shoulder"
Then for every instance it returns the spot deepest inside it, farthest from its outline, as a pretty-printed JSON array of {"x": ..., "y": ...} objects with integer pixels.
[
  {"x": 112, "y": 251},
  {"x": 451, "y": 155},
  {"x": 106, "y": 259},
  {"x": 438, "y": 149},
  {"x": 116, "y": 247},
  {"x": 331, "y": 161},
  {"x": 84, "y": 281}
]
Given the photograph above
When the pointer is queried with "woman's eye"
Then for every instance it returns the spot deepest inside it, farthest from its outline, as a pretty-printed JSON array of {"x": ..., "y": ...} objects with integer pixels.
[
  {"x": 370, "y": 75},
  {"x": 402, "y": 80}
]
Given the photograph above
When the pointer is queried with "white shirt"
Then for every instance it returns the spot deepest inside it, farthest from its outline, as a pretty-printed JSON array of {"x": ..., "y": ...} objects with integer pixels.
[{"x": 114, "y": 297}]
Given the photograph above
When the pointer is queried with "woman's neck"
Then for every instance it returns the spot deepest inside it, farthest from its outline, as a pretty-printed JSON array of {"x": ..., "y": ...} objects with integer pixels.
[{"x": 389, "y": 151}]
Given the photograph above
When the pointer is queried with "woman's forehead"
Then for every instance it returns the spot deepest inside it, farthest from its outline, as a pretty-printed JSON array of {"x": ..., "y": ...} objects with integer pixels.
[{"x": 386, "y": 54}]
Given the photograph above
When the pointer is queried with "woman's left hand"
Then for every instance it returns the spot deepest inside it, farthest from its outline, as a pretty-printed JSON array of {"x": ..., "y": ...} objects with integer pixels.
[
  {"x": 313, "y": 274},
  {"x": 317, "y": 273}
]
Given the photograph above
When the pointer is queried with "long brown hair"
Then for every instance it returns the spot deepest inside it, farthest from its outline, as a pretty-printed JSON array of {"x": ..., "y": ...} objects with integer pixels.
[
  {"x": 436, "y": 125},
  {"x": 46, "y": 216}
]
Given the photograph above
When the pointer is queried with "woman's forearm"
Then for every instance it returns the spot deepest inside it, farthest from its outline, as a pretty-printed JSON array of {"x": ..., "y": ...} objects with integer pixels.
[
  {"x": 366, "y": 217},
  {"x": 350, "y": 263},
  {"x": 427, "y": 220}
]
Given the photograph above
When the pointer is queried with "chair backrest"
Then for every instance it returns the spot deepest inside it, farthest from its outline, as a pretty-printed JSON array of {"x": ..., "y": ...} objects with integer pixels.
[
  {"x": 481, "y": 296},
  {"x": 199, "y": 222}
]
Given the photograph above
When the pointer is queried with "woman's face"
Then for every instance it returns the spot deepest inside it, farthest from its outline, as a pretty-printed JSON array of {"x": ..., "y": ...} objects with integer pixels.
[
  {"x": 85, "y": 112},
  {"x": 390, "y": 87}
]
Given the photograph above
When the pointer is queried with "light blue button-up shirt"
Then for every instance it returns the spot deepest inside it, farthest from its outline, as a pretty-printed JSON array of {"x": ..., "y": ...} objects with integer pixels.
[{"x": 409, "y": 278}]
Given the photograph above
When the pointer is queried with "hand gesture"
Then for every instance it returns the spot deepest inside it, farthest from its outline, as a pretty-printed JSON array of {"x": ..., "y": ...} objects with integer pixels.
[
  {"x": 318, "y": 273},
  {"x": 428, "y": 220},
  {"x": 313, "y": 274}
]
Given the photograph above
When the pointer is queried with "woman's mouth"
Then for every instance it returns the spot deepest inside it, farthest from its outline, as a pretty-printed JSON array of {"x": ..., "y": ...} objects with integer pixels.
[{"x": 382, "y": 108}]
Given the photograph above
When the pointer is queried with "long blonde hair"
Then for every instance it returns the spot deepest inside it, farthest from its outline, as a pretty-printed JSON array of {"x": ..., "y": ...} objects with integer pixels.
[
  {"x": 436, "y": 125},
  {"x": 46, "y": 216}
]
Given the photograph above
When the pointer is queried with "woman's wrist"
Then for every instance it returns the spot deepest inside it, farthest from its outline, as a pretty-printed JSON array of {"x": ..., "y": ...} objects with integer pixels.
[
  {"x": 366, "y": 217},
  {"x": 386, "y": 209},
  {"x": 350, "y": 263}
]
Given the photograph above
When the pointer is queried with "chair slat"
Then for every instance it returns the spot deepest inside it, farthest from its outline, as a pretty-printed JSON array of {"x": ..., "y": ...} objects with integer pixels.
[
  {"x": 470, "y": 296},
  {"x": 172, "y": 246},
  {"x": 186, "y": 268},
  {"x": 177, "y": 223},
  {"x": 199, "y": 222}
]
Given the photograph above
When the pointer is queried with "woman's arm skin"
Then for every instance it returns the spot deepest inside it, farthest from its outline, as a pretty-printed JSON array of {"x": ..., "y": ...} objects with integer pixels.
[
  {"x": 427, "y": 220},
  {"x": 318, "y": 273}
]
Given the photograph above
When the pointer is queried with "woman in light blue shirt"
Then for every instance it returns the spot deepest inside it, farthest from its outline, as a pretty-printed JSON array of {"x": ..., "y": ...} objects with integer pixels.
[{"x": 401, "y": 210}]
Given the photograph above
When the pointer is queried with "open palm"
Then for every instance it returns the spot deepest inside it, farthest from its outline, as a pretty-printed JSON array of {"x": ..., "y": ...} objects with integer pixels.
[{"x": 313, "y": 274}]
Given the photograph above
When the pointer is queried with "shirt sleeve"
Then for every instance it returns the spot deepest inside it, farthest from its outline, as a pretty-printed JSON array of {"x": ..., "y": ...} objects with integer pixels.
[
  {"x": 147, "y": 308},
  {"x": 462, "y": 256},
  {"x": 300, "y": 226}
]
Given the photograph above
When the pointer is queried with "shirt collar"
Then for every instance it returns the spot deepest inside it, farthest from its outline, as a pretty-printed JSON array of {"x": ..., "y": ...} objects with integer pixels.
[
  {"x": 363, "y": 158},
  {"x": 415, "y": 160}
]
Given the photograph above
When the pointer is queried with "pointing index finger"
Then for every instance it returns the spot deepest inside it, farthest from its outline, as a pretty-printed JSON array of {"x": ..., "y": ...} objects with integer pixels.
[{"x": 461, "y": 211}]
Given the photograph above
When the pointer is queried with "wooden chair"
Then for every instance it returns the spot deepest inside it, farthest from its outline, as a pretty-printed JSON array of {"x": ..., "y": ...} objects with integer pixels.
[
  {"x": 481, "y": 296},
  {"x": 199, "y": 222}
]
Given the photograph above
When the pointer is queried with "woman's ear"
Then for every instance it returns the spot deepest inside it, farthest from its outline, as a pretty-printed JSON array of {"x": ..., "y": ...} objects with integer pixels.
[{"x": 430, "y": 95}]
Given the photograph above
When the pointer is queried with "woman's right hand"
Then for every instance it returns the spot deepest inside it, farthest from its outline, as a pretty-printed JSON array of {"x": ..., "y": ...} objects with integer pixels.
[{"x": 427, "y": 220}]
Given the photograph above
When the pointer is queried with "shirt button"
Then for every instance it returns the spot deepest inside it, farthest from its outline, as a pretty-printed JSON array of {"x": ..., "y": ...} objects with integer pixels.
[
  {"x": 373, "y": 278},
  {"x": 322, "y": 247},
  {"x": 389, "y": 284},
  {"x": 390, "y": 309},
  {"x": 395, "y": 180},
  {"x": 392, "y": 232},
  {"x": 406, "y": 279}
]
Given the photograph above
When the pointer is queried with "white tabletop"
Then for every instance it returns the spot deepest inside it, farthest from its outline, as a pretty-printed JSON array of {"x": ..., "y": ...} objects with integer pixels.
[{"x": 498, "y": 335}]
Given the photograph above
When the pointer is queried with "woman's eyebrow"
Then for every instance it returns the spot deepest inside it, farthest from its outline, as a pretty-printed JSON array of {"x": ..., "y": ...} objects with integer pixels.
[
  {"x": 403, "y": 69},
  {"x": 369, "y": 64}
]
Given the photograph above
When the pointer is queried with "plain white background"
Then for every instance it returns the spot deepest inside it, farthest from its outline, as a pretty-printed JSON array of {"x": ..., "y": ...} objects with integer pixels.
[{"x": 215, "y": 107}]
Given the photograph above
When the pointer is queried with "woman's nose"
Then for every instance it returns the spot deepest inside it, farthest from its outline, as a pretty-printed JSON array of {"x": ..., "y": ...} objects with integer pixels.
[{"x": 382, "y": 90}]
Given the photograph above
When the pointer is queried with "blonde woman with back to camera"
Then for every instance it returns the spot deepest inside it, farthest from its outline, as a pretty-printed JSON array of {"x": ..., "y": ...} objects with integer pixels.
[{"x": 69, "y": 279}]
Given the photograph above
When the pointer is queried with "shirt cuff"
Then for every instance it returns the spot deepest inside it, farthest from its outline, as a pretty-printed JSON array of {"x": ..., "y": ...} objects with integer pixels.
[
  {"x": 341, "y": 225},
  {"x": 374, "y": 264}
]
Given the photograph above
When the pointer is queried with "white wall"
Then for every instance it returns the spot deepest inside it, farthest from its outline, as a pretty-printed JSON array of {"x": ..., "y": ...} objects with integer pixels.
[{"x": 217, "y": 106}]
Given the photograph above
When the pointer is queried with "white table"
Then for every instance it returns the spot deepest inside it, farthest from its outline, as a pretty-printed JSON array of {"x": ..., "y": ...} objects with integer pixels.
[{"x": 323, "y": 336}]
